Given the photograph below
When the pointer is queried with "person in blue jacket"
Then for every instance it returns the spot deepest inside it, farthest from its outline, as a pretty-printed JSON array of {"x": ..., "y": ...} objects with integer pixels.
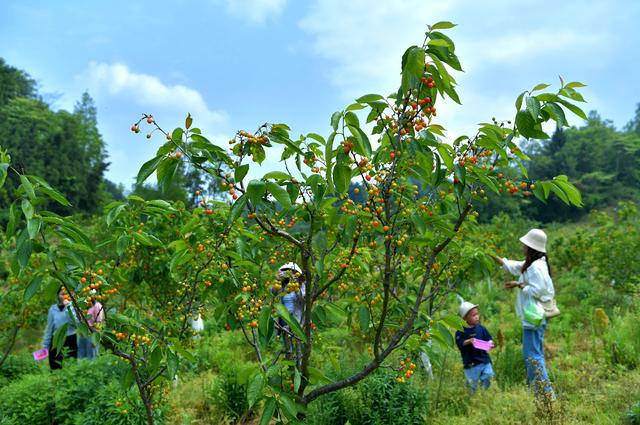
[
  {"x": 476, "y": 361},
  {"x": 60, "y": 314}
]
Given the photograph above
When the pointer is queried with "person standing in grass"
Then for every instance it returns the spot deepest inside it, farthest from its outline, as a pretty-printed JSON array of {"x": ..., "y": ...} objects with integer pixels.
[
  {"x": 61, "y": 314},
  {"x": 534, "y": 283},
  {"x": 476, "y": 361}
]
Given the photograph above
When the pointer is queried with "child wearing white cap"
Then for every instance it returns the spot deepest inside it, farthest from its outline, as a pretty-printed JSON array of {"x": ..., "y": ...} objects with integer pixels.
[{"x": 474, "y": 341}]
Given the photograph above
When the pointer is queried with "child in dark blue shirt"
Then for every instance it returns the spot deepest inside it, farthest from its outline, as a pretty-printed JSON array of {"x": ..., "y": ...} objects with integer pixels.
[{"x": 476, "y": 361}]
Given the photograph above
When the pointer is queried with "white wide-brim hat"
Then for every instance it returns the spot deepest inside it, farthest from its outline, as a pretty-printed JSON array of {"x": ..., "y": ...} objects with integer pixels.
[
  {"x": 291, "y": 266},
  {"x": 536, "y": 239},
  {"x": 465, "y": 308}
]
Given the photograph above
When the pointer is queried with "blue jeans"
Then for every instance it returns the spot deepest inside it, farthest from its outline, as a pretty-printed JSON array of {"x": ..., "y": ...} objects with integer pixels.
[
  {"x": 479, "y": 373},
  {"x": 533, "y": 354},
  {"x": 86, "y": 349}
]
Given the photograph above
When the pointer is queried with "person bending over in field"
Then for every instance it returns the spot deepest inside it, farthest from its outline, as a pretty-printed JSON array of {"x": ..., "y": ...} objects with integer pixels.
[{"x": 291, "y": 284}]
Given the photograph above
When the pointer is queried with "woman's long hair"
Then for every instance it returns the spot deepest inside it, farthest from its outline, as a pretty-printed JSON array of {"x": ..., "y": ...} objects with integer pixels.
[{"x": 533, "y": 255}]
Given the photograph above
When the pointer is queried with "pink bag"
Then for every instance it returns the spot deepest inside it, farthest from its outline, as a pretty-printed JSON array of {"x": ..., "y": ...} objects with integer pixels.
[
  {"x": 41, "y": 354},
  {"x": 482, "y": 345}
]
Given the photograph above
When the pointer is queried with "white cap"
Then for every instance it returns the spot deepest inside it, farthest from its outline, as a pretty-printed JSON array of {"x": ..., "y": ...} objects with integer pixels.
[
  {"x": 291, "y": 266},
  {"x": 535, "y": 239},
  {"x": 465, "y": 308}
]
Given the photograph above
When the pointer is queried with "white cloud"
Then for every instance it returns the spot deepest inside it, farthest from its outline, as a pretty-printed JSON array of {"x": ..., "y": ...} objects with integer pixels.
[
  {"x": 121, "y": 95},
  {"x": 365, "y": 40},
  {"x": 532, "y": 43},
  {"x": 116, "y": 80},
  {"x": 255, "y": 11}
]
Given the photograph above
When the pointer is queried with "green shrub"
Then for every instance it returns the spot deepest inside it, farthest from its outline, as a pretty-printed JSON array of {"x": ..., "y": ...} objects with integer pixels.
[
  {"x": 508, "y": 365},
  {"x": 623, "y": 340},
  {"x": 86, "y": 392},
  {"x": 78, "y": 383},
  {"x": 16, "y": 366},
  {"x": 377, "y": 400},
  {"x": 28, "y": 400},
  {"x": 112, "y": 406},
  {"x": 633, "y": 415},
  {"x": 229, "y": 394}
]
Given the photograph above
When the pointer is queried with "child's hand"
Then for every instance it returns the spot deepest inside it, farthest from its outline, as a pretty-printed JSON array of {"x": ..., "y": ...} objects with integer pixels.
[{"x": 511, "y": 284}]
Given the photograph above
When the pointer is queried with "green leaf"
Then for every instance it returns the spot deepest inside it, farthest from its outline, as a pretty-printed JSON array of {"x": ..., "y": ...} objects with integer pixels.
[
  {"x": 147, "y": 239},
  {"x": 279, "y": 193},
  {"x": 277, "y": 175},
  {"x": 265, "y": 327},
  {"x": 556, "y": 113},
  {"x": 364, "y": 318},
  {"x": 27, "y": 209},
  {"x": 148, "y": 168},
  {"x": 369, "y": 98},
  {"x": 188, "y": 121},
  {"x": 573, "y": 108},
  {"x": 28, "y": 187},
  {"x": 533, "y": 106},
  {"x": 328, "y": 156},
  {"x": 453, "y": 321},
  {"x": 236, "y": 209},
  {"x": 33, "y": 226},
  {"x": 540, "y": 86},
  {"x": 254, "y": 389},
  {"x": 122, "y": 244},
  {"x": 32, "y": 287},
  {"x": 176, "y": 136},
  {"x": 574, "y": 84},
  {"x": 528, "y": 127},
  {"x": 55, "y": 195},
  {"x": 439, "y": 42},
  {"x": 355, "y": 107},
  {"x": 23, "y": 249},
  {"x": 341, "y": 178},
  {"x": 257, "y": 153},
  {"x": 557, "y": 189},
  {"x": 240, "y": 172},
  {"x": 572, "y": 193},
  {"x": 297, "y": 380},
  {"x": 13, "y": 218},
  {"x": 59, "y": 337},
  {"x": 442, "y": 25},
  {"x": 166, "y": 172},
  {"x": 269, "y": 410},
  {"x": 519, "y": 100},
  {"x": 362, "y": 139},
  {"x": 335, "y": 120},
  {"x": 290, "y": 407},
  {"x": 487, "y": 180},
  {"x": 3, "y": 172},
  {"x": 443, "y": 150},
  {"x": 571, "y": 94},
  {"x": 412, "y": 66},
  {"x": 256, "y": 190},
  {"x": 291, "y": 321}
]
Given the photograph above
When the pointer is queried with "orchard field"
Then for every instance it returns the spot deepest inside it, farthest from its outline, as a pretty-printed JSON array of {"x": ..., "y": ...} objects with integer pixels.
[{"x": 391, "y": 223}]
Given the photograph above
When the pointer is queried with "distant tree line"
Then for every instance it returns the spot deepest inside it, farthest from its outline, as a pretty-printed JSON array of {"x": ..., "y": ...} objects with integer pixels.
[
  {"x": 67, "y": 150},
  {"x": 603, "y": 162}
]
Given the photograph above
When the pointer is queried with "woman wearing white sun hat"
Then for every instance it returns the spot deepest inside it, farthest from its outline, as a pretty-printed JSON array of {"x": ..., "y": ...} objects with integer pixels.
[{"x": 534, "y": 283}]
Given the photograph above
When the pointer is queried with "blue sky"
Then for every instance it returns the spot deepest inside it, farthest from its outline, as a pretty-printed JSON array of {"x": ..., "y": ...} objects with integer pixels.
[{"x": 236, "y": 64}]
